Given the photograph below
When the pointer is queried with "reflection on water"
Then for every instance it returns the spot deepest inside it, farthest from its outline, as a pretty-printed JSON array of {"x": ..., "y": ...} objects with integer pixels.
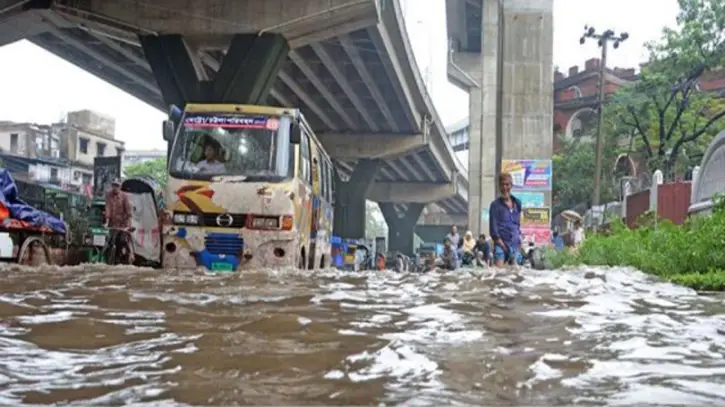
[{"x": 591, "y": 337}]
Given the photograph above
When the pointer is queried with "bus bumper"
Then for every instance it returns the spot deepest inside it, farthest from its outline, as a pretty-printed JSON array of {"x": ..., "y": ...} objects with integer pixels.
[{"x": 223, "y": 250}]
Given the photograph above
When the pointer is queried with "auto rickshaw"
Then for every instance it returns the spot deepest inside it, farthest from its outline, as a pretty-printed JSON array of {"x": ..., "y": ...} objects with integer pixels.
[{"x": 147, "y": 200}]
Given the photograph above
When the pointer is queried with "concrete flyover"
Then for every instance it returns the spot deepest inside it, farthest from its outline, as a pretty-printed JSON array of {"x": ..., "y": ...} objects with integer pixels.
[{"x": 347, "y": 63}]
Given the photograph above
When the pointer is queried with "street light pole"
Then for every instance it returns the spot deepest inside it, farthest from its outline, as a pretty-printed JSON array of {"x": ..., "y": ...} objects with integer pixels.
[{"x": 603, "y": 40}]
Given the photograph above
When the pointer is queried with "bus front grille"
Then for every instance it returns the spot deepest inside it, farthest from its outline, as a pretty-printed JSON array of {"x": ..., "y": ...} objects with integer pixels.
[{"x": 222, "y": 243}]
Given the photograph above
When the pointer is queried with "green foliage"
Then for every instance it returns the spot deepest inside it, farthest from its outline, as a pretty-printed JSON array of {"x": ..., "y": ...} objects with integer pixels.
[
  {"x": 691, "y": 254},
  {"x": 155, "y": 169},
  {"x": 573, "y": 180},
  {"x": 664, "y": 109}
]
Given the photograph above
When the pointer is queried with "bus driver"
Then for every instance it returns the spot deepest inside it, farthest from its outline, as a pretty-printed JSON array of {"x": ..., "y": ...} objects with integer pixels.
[{"x": 210, "y": 164}]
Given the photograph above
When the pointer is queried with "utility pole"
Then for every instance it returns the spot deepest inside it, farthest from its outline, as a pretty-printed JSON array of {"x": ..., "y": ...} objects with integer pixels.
[{"x": 603, "y": 40}]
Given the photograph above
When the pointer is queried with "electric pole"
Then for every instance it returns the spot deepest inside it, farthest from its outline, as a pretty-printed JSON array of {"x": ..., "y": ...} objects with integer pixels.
[{"x": 603, "y": 40}]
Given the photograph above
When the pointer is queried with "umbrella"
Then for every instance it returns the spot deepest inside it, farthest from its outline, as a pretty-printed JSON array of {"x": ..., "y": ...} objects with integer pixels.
[{"x": 571, "y": 215}]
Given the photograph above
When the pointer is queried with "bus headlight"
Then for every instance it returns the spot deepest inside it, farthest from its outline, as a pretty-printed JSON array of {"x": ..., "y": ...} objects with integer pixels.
[
  {"x": 264, "y": 222},
  {"x": 185, "y": 219}
]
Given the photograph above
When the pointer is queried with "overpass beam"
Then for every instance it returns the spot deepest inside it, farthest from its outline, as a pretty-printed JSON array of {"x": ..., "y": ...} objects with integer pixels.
[
  {"x": 443, "y": 218},
  {"x": 401, "y": 228},
  {"x": 246, "y": 74},
  {"x": 345, "y": 146},
  {"x": 410, "y": 192},
  {"x": 350, "y": 196}
]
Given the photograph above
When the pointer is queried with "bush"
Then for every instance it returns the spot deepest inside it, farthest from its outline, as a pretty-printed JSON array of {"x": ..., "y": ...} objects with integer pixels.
[{"x": 692, "y": 255}]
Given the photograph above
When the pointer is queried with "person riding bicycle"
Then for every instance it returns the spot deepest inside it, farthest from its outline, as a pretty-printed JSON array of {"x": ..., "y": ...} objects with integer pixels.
[{"x": 118, "y": 216}]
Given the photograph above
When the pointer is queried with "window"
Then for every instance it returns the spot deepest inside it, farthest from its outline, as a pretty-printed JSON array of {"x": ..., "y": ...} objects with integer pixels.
[
  {"x": 53, "y": 174},
  {"x": 76, "y": 176},
  {"x": 305, "y": 158},
  {"x": 14, "y": 143},
  {"x": 119, "y": 151},
  {"x": 323, "y": 177},
  {"x": 328, "y": 178},
  {"x": 100, "y": 149},
  {"x": 87, "y": 179},
  {"x": 209, "y": 145},
  {"x": 83, "y": 145}
]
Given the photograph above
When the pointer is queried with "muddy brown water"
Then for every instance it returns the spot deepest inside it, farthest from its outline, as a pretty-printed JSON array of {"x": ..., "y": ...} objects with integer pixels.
[{"x": 111, "y": 336}]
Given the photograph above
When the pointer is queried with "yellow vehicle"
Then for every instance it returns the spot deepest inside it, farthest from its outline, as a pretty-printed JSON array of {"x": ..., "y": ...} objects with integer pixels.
[{"x": 248, "y": 187}]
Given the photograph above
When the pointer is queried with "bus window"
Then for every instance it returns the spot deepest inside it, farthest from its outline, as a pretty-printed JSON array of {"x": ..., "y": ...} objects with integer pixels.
[
  {"x": 331, "y": 182},
  {"x": 323, "y": 177},
  {"x": 328, "y": 181},
  {"x": 305, "y": 158}
]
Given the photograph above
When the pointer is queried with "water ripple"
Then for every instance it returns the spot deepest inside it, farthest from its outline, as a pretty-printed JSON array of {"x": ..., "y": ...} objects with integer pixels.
[{"x": 99, "y": 335}]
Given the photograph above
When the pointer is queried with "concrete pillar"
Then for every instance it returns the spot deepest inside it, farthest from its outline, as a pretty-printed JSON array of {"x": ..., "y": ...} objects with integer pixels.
[
  {"x": 527, "y": 105},
  {"x": 511, "y": 109},
  {"x": 484, "y": 109},
  {"x": 401, "y": 229},
  {"x": 350, "y": 200},
  {"x": 245, "y": 76}
]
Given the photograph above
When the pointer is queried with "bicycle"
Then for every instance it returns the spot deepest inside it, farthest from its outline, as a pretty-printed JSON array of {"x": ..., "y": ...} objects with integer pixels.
[{"x": 119, "y": 246}]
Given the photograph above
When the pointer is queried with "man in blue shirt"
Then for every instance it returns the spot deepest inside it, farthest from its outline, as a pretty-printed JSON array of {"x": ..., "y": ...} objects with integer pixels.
[{"x": 505, "y": 224}]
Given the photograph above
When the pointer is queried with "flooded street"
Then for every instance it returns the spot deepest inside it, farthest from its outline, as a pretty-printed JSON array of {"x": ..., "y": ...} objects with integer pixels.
[{"x": 590, "y": 337}]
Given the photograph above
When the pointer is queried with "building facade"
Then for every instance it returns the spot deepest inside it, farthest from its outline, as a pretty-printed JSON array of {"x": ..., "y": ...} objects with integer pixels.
[{"x": 59, "y": 154}]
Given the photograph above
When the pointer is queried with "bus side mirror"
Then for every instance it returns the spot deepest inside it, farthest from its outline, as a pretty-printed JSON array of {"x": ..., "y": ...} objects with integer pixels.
[
  {"x": 295, "y": 135},
  {"x": 168, "y": 130}
]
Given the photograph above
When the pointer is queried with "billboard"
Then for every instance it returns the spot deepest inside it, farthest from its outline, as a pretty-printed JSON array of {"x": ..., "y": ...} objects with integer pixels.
[
  {"x": 531, "y": 199},
  {"x": 105, "y": 170},
  {"x": 529, "y": 175}
]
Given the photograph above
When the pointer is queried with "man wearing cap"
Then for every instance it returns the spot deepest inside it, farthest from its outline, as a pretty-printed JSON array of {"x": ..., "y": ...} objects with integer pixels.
[
  {"x": 118, "y": 215},
  {"x": 118, "y": 207}
]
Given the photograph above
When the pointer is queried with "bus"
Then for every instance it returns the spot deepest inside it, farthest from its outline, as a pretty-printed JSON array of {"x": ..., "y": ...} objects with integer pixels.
[{"x": 248, "y": 187}]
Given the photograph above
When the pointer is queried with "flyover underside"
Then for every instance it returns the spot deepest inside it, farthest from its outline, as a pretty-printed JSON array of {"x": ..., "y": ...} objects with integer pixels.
[{"x": 329, "y": 80}]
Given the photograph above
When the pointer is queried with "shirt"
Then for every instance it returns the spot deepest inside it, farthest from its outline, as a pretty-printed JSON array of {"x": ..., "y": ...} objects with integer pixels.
[
  {"x": 505, "y": 222},
  {"x": 455, "y": 239},
  {"x": 118, "y": 210},
  {"x": 578, "y": 236},
  {"x": 483, "y": 247},
  {"x": 215, "y": 167}
]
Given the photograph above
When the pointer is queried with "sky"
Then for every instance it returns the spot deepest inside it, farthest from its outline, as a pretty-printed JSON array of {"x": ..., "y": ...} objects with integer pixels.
[{"x": 39, "y": 87}]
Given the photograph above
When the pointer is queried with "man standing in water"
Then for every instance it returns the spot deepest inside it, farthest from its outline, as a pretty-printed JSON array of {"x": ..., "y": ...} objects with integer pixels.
[
  {"x": 454, "y": 237},
  {"x": 505, "y": 224}
]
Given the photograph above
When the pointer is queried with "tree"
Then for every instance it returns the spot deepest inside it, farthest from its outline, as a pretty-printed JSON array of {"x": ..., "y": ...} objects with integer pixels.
[
  {"x": 574, "y": 174},
  {"x": 155, "y": 169},
  {"x": 664, "y": 109}
]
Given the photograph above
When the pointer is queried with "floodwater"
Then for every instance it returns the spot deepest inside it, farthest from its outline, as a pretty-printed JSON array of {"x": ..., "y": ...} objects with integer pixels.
[{"x": 136, "y": 336}]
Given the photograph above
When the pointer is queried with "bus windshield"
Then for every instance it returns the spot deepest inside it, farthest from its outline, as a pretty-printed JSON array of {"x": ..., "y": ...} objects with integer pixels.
[{"x": 223, "y": 144}]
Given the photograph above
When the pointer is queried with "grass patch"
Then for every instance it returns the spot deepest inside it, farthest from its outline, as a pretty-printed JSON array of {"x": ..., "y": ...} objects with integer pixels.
[{"x": 692, "y": 255}]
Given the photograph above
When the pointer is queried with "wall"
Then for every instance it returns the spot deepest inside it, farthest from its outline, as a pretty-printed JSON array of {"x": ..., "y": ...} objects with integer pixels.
[
  {"x": 673, "y": 201},
  {"x": 33, "y": 140},
  {"x": 22, "y": 146},
  {"x": 74, "y": 142}
]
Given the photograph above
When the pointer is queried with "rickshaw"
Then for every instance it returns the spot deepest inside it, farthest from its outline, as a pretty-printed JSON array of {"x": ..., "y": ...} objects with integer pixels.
[
  {"x": 147, "y": 201},
  {"x": 24, "y": 230}
]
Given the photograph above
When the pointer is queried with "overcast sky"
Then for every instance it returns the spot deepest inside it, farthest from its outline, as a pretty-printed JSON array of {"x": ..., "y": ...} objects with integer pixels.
[{"x": 39, "y": 87}]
